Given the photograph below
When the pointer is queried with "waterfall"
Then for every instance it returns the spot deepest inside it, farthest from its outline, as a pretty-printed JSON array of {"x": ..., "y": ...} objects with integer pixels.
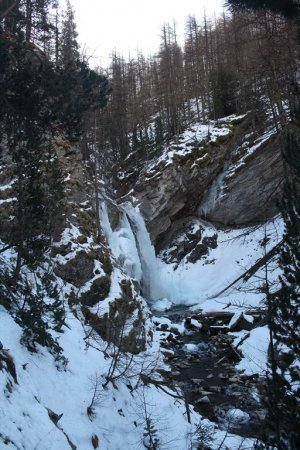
[
  {"x": 122, "y": 244},
  {"x": 131, "y": 246},
  {"x": 213, "y": 195},
  {"x": 151, "y": 282}
]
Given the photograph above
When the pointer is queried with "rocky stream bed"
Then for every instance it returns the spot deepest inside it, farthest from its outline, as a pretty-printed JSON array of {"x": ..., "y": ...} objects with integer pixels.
[{"x": 203, "y": 364}]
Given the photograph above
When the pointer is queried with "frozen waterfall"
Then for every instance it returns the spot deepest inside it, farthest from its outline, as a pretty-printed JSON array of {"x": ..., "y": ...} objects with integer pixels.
[
  {"x": 151, "y": 281},
  {"x": 131, "y": 246},
  {"x": 213, "y": 195}
]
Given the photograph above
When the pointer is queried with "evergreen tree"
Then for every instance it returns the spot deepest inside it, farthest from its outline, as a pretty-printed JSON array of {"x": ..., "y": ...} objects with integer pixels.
[
  {"x": 287, "y": 328},
  {"x": 34, "y": 315},
  {"x": 38, "y": 100},
  {"x": 27, "y": 19},
  {"x": 289, "y": 8},
  {"x": 68, "y": 45},
  {"x": 283, "y": 381},
  {"x": 27, "y": 124}
]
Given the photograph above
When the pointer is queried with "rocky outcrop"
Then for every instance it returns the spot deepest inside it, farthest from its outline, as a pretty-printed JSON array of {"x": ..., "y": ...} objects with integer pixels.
[
  {"x": 77, "y": 263},
  {"x": 123, "y": 324},
  {"x": 174, "y": 191},
  {"x": 250, "y": 191},
  {"x": 232, "y": 180}
]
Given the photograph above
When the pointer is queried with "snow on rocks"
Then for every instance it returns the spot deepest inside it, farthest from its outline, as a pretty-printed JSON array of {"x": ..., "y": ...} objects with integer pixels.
[
  {"x": 162, "y": 305},
  {"x": 254, "y": 348},
  {"x": 237, "y": 416}
]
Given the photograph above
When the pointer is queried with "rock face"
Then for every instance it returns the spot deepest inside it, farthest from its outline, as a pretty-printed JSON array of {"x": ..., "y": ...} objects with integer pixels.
[
  {"x": 78, "y": 258},
  {"x": 232, "y": 180},
  {"x": 250, "y": 192},
  {"x": 124, "y": 313},
  {"x": 174, "y": 191}
]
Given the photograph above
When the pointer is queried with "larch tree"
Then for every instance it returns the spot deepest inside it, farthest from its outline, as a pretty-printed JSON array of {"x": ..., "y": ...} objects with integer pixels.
[{"x": 171, "y": 81}]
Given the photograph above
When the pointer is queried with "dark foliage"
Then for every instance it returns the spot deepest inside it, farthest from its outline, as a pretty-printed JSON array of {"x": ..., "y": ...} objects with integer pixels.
[
  {"x": 39, "y": 100},
  {"x": 288, "y": 8},
  {"x": 223, "y": 92},
  {"x": 35, "y": 317}
]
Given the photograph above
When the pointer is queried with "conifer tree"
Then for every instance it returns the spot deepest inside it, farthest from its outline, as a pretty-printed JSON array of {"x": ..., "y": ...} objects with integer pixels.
[
  {"x": 289, "y": 8},
  {"x": 68, "y": 45},
  {"x": 34, "y": 314},
  {"x": 27, "y": 19}
]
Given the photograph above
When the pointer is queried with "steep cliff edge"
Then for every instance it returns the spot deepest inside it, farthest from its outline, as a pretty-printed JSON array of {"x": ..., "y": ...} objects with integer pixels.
[{"x": 222, "y": 171}]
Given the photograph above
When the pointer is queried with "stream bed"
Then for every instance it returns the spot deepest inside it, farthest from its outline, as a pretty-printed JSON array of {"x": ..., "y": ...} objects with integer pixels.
[{"x": 202, "y": 361}]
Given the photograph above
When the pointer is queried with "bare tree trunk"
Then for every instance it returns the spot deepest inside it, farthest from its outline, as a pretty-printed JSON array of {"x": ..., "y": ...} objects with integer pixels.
[
  {"x": 6, "y": 6},
  {"x": 28, "y": 20}
]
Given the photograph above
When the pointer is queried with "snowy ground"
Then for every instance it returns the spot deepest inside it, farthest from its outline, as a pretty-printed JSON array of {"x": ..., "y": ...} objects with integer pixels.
[
  {"x": 202, "y": 282},
  {"x": 119, "y": 415},
  {"x": 199, "y": 285}
]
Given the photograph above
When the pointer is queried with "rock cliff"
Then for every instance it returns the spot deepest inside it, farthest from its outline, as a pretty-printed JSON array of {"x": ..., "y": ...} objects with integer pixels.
[
  {"x": 227, "y": 172},
  {"x": 78, "y": 260}
]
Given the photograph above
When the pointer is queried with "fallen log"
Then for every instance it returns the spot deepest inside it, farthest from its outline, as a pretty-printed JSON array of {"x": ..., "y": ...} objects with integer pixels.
[{"x": 217, "y": 315}]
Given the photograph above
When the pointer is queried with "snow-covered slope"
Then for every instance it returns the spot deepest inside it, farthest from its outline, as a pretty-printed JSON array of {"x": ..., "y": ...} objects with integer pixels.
[
  {"x": 216, "y": 260},
  {"x": 47, "y": 409}
]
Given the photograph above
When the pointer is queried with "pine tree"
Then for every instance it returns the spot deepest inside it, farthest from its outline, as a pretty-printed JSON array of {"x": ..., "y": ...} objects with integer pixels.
[
  {"x": 289, "y": 8},
  {"x": 68, "y": 45},
  {"x": 33, "y": 317},
  {"x": 283, "y": 381},
  {"x": 288, "y": 319},
  {"x": 27, "y": 19}
]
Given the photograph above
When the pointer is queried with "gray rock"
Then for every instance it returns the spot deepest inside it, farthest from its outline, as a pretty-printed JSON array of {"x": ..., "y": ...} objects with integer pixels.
[
  {"x": 204, "y": 399},
  {"x": 251, "y": 193},
  {"x": 197, "y": 380},
  {"x": 214, "y": 389}
]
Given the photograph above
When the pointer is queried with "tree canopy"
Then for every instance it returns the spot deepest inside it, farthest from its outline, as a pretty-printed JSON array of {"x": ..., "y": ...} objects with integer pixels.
[{"x": 288, "y": 8}]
